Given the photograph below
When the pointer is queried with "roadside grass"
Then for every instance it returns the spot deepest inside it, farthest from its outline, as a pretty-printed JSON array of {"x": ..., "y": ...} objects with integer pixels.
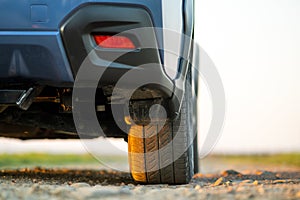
[
  {"x": 50, "y": 160},
  {"x": 289, "y": 159}
]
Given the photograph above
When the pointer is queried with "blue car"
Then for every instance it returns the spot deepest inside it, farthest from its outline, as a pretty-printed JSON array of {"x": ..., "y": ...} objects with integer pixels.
[{"x": 65, "y": 64}]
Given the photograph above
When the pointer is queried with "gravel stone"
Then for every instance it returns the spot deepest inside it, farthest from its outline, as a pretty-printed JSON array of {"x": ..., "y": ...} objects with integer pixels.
[
  {"x": 230, "y": 173},
  {"x": 218, "y": 182},
  {"x": 61, "y": 184},
  {"x": 79, "y": 185}
]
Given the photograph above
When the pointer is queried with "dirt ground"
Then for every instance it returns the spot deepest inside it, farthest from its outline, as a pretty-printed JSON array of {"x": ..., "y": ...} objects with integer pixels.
[{"x": 244, "y": 182}]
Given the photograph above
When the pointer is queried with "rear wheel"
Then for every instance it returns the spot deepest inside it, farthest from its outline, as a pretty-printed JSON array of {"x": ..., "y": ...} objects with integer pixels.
[{"x": 166, "y": 152}]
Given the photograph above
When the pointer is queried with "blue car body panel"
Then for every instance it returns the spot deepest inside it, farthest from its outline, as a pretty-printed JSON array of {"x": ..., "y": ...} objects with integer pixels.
[
  {"x": 33, "y": 27},
  {"x": 54, "y": 67},
  {"x": 33, "y": 15}
]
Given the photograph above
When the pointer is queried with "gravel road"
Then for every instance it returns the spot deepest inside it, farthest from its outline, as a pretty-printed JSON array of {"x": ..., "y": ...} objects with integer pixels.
[{"x": 41, "y": 183}]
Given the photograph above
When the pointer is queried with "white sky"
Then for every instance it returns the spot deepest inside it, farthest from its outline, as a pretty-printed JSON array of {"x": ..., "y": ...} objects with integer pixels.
[{"x": 255, "y": 44}]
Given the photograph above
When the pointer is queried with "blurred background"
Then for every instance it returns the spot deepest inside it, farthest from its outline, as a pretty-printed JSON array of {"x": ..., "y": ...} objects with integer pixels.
[{"x": 255, "y": 45}]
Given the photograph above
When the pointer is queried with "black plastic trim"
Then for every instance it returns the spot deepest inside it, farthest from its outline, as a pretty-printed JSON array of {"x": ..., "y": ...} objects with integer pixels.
[{"x": 101, "y": 18}]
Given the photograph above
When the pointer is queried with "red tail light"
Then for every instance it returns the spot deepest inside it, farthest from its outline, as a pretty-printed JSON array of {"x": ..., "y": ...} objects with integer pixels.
[{"x": 114, "y": 42}]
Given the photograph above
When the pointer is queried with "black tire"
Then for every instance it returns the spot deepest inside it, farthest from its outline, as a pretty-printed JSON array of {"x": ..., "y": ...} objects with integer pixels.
[{"x": 165, "y": 153}]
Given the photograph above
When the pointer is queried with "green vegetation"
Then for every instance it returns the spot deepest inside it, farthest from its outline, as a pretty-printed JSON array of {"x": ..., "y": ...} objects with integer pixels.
[
  {"x": 57, "y": 160},
  {"x": 290, "y": 159},
  {"x": 50, "y": 160}
]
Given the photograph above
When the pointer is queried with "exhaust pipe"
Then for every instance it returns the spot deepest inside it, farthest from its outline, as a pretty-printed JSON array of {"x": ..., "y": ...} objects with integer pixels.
[
  {"x": 26, "y": 99},
  {"x": 21, "y": 98}
]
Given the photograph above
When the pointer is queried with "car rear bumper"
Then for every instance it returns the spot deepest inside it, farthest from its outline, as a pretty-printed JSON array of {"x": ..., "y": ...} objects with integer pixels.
[
  {"x": 36, "y": 57},
  {"x": 50, "y": 51}
]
